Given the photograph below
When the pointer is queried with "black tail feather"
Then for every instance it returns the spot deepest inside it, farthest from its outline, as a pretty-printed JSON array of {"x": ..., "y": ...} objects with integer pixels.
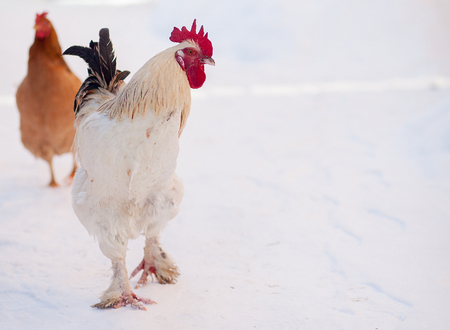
[
  {"x": 102, "y": 67},
  {"x": 121, "y": 75},
  {"x": 107, "y": 58},
  {"x": 87, "y": 54}
]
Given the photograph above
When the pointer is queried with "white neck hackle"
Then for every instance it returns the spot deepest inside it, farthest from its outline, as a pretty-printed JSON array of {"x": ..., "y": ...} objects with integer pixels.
[{"x": 160, "y": 86}]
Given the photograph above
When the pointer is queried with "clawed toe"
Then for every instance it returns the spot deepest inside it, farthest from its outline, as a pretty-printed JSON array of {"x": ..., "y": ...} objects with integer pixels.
[
  {"x": 168, "y": 275},
  {"x": 165, "y": 274},
  {"x": 126, "y": 299}
]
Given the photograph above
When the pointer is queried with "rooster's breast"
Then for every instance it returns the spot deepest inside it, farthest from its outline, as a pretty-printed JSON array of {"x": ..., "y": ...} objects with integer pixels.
[{"x": 130, "y": 158}]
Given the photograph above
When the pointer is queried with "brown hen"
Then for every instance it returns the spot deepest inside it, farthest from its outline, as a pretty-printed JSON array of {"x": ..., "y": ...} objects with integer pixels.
[{"x": 45, "y": 98}]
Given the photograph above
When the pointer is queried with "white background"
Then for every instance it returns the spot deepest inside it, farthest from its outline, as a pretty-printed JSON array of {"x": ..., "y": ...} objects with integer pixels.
[{"x": 316, "y": 163}]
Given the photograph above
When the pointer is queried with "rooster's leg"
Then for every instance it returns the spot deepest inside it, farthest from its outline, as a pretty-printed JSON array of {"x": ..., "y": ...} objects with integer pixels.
[
  {"x": 119, "y": 292},
  {"x": 156, "y": 262}
]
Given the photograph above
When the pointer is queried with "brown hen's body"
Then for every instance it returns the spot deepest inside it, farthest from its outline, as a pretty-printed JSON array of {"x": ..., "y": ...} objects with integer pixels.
[{"x": 45, "y": 100}]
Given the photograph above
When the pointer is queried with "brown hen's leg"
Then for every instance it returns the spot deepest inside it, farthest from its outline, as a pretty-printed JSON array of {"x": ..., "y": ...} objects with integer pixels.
[
  {"x": 69, "y": 179},
  {"x": 52, "y": 183},
  {"x": 119, "y": 292},
  {"x": 156, "y": 262}
]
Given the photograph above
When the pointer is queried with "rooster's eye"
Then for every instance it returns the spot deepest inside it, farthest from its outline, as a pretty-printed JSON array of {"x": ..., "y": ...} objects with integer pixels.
[{"x": 190, "y": 52}]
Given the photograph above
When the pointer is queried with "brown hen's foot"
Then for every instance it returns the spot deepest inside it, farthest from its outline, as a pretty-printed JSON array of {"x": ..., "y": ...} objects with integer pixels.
[
  {"x": 75, "y": 167},
  {"x": 156, "y": 262},
  {"x": 69, "y": 179},
  {"x": 53, "y": 184},
  {"x": 128, "y": 298}
]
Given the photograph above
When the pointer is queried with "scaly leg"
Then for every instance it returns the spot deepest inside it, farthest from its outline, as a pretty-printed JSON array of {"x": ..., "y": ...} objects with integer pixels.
[
  {"x": 52, "y": 183},
  {"x": 156, "y": 262},
  {"x": 69, "y": 179},
  {"x": 119, "y": 292}
]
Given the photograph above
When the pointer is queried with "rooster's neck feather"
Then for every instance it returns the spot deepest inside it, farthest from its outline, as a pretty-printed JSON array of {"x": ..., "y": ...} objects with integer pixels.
[{"x": 159, "y": 86}]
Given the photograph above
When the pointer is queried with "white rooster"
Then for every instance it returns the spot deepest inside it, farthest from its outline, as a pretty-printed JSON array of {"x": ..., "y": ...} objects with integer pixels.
[{"x": 127, "y": 146}]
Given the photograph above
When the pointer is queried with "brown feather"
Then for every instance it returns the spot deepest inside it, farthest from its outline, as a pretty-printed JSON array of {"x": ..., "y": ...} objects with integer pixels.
[{"x": 44, "y": 100}]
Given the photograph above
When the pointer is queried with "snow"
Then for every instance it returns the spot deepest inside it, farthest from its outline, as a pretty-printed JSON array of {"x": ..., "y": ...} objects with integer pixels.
[{"x": 315, "y": 162}]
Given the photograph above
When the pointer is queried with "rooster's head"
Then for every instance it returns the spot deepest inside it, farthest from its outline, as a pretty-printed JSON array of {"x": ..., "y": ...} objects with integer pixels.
[{"x": 193, "y": 57}]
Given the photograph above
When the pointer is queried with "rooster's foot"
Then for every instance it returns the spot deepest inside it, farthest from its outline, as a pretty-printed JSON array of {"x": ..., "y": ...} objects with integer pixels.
[
  {"x": 125, "y": 299},
  {"x": 156, "y": 262},
  {"x": 167, "y": 274}
]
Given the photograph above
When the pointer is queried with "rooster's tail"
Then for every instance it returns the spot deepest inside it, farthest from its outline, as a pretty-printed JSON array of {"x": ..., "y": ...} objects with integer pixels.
[{"x": 102, "y": 69}]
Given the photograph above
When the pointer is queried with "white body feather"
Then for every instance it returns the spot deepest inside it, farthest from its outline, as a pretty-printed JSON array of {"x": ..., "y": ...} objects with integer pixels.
[{"x": 128, "y": 150}]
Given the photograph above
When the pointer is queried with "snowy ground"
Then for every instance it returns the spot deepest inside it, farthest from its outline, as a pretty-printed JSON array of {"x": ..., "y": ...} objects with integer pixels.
[{"x": 316, "y": 165}]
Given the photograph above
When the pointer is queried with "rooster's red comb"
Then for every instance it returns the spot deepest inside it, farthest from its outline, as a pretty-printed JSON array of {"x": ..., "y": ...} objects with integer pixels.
[
  {"x": 200, "y": 38},
  {"x": 41, "y": 16}
]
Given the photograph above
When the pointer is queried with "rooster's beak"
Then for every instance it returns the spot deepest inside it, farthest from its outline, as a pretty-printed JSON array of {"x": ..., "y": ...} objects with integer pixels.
[{"x": 207, "y": 60}]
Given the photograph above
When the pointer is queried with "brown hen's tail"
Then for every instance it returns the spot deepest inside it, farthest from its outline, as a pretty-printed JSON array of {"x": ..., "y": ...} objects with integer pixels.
[{"x": 102, "y": 68}]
